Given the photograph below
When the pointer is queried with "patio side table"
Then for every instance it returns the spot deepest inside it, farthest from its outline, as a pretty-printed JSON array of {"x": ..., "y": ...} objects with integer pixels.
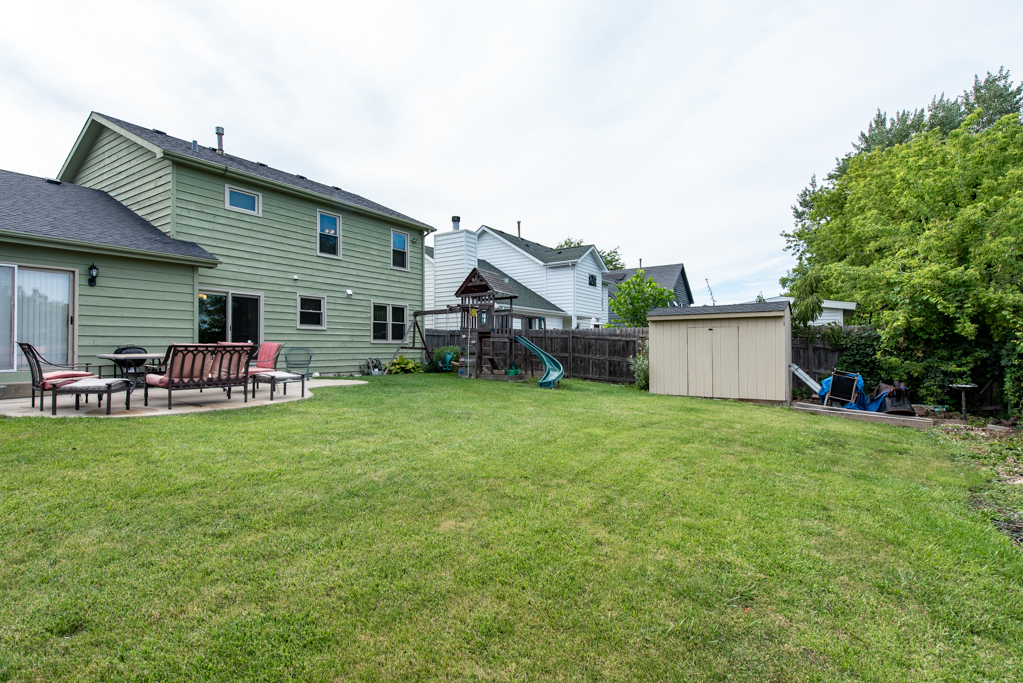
[
  {"x": 98, "y": 386},
  {"x": 275, "y": 377}
]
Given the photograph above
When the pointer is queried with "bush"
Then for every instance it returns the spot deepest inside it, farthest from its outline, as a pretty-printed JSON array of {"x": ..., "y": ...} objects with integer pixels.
[
  {"x": 640, "y": 365},
  {"x": 860, "y": 347},
  {"x": 438, "y": 356},
  {"x": 403, "y": 366}
]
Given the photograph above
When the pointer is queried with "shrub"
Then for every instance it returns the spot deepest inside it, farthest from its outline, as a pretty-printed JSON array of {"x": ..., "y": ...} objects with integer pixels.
[
  {"x": 438, "y": 356},
  {"x": 640, "y": 365},
  {"x": 402, "y": 366}
]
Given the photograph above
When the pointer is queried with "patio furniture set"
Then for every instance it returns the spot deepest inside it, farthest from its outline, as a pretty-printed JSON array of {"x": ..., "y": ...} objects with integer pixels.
[{"x": 224, "y": 365}]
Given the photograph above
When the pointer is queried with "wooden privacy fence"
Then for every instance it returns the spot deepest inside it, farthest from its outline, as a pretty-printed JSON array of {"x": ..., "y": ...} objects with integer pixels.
[
  {"x": 817, "y": 358},
  {"x": 601, "y": 355}
]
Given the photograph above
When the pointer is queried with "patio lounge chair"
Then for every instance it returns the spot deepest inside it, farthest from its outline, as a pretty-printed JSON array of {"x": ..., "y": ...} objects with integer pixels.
[
  {"x": 202, "y": 366},
  {"x": 48, "y": 381},
  {"x": 266, "y": 357}
]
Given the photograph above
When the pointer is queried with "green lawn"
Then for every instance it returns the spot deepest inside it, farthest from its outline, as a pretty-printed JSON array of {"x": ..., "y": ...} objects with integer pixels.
[{"x": 425, "y": 527}]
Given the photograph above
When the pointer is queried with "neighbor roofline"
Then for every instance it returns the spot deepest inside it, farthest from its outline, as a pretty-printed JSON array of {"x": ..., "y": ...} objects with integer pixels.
[
  {"x": 86, "y": 137},
  {"x": 496, "y": 234},
  {"x": 61, "y": 242}
]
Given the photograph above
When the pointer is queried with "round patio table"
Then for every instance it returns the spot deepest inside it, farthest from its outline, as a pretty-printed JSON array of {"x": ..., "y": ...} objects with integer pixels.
[
  {"x": 96, "y": 385},
  {"x": 131, "y": 356}
]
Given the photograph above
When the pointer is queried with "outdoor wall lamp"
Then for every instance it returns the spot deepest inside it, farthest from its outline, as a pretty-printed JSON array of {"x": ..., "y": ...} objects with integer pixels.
[{"x": 93, "y": 274}]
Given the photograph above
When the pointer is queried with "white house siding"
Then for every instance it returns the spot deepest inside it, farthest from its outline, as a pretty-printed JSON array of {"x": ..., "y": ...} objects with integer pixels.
[
  {"x": 830, "y": 315},
  {"x": 587, "y": 298},
  {"x": 512, "y": 260},
  {"x": 454, "y": 255},
  {"x": 560, "y": 287}
]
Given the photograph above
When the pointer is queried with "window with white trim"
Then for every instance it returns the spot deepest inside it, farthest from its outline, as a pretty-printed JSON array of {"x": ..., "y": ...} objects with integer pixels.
[
  {"x": 243, "y": 201},
  {"x": 399, "y": 250},
  {"x": 312, "y": 312},
  {"x": 389, "y": 321},
  {"x": 329, "y": 234}
]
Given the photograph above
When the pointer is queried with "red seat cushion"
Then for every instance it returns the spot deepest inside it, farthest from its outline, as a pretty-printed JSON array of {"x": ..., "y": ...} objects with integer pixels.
[
  {"x": 62, "y": 374},
  {"x": 267, "y": 352},
  {"x": 157, "y": 380},
  {"x": 59, "y": 383}
]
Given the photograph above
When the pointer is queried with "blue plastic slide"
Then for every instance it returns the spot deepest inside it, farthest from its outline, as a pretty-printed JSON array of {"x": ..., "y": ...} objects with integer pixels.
[{"x": 553, "y": 372}]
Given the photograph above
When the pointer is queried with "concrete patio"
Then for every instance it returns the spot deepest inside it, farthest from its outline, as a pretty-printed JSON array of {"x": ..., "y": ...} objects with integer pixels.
[{"x": 185, "y": 401}]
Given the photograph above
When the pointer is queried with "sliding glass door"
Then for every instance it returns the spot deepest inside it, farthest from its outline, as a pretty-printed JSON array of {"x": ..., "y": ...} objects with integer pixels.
[
  {"x": 229, "y": 317},
  {"x": 35, "y": 307},
  {"x": 8, "y": 306},
  {"x": 44, "y": 313}
]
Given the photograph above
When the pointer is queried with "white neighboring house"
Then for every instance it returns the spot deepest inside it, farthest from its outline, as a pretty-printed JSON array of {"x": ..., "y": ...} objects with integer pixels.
[
  {"x": 565, "y": 286},
  {"x": 834, "y": 311}
]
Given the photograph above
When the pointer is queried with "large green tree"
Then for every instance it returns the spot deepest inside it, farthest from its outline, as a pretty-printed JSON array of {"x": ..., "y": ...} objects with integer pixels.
[
  {"x": 927, "y": 235},
  {"x": 635, "y": 297}
]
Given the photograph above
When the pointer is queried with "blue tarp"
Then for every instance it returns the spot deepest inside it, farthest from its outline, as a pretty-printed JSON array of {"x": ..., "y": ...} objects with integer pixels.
[{"x": 860, "y": 403}]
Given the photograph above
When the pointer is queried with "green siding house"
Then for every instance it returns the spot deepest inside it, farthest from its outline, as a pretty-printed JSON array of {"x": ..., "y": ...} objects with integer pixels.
[{"x": 214, "y": 248}]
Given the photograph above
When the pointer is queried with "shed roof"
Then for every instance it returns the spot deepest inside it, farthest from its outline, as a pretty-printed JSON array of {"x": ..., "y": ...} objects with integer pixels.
[
  {"x": 210, "y": 155},
  {"x": 71, "y": 214},
  {"x": 766, "y": 307}
]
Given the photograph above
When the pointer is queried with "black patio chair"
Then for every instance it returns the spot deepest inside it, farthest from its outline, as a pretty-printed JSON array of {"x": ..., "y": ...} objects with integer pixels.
[
  {"x": 131, "y": 368},
  {"x": 298, "y": 359},
  {"x": 41, "y": 381}
]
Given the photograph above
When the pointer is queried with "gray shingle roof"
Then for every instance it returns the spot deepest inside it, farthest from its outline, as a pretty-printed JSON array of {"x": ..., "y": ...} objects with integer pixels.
[
  {"x": 429, "y": 251},
  {"x": 527, "y": 298},
  {"x": 732, "y": 308},
  {"x": 173, "y": 144},
  {"x": 539, "y": 251},
  {"x": 665, "y": 276},
  {"x": 33, "y": 206}
]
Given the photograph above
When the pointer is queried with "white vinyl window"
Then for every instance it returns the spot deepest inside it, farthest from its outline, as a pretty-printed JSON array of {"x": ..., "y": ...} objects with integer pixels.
[
  {"x": 389, "y": 322},
  {"x": 243, "y": 201},
  {"x": 328, "y": 226},
  {"x": 312, "y": 312},
  {"x": 399, "y": 250}
]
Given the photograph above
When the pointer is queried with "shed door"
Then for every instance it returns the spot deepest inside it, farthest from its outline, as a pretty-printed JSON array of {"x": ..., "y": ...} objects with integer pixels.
[{"x": 713, "y": 361}]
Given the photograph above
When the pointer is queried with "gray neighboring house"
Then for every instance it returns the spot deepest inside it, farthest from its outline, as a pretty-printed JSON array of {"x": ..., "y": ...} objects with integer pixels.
[{"x": 671, "y": 276}]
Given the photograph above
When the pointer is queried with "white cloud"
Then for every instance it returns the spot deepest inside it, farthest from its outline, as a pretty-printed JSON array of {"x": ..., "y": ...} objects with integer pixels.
[{"x": 679, "y": 131}]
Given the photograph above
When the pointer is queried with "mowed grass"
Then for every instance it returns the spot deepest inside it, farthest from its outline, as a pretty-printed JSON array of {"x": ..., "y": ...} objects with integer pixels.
[{"x": 425, "y": 527}]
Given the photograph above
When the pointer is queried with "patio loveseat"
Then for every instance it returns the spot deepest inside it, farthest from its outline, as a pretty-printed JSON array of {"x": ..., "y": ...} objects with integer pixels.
[{"x": 202, "y": 366}]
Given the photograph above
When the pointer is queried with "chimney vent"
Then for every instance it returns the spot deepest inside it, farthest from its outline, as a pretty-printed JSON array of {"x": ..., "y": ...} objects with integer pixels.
[
  {"x": 195, "y": 145},
  {"x": 455, "y": 220},
  {"x": 220, "y": 139},
  {"x": 520, "y": 228}
]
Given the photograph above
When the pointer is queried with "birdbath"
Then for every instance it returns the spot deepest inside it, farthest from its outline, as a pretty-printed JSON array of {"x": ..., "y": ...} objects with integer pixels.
[{"x": 963, "y": 388}]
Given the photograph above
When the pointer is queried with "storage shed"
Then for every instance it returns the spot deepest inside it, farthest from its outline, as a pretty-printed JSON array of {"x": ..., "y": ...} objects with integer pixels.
[{"x": 741, "y": 351}]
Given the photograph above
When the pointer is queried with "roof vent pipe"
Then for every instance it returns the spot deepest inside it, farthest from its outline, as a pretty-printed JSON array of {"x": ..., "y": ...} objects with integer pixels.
[
  {"x": 195, "y": 145},
  {"x": 520, "y": 228},
  {"x": 455, "y": 220},
  {"x": 220, "y": 139},
  {"x": 641, "y": 263}
]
